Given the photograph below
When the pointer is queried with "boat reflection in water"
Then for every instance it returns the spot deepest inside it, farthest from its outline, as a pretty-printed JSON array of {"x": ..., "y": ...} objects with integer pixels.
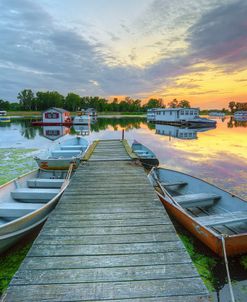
[
  {"x": 83, "y": 129},
  {"x": 235, "y": 122},
  {"x": 180, "y": 132},
  {"x": 55, "y": 132}
]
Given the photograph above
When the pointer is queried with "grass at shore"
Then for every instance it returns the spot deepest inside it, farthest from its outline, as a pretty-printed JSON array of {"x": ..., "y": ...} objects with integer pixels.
[
  {"x": 204, "y": 264},
  {"x": 105, "y": 113},
  {"x": 9, "y": 264},
  {"x": 24, "y": 113}
]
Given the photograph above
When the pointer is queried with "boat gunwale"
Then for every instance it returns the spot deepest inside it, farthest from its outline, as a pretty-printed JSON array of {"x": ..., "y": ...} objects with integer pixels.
[
  {"x": 180, "y": 208},
  {"x": 232, "y": 195},
  {"x": 46, "y": 205}
]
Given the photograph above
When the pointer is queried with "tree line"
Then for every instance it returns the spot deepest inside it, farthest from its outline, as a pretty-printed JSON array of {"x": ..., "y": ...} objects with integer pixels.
[{"x": 28, "y": 101}]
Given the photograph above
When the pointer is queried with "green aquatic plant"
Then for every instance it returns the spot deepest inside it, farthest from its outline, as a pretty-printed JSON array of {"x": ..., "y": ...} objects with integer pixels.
[
  {"x": 243, "y": 261},
  {"x": 204, "y": 264},
  {"x": 9, "y": 264},
  {"x": 15, "y": 162}
]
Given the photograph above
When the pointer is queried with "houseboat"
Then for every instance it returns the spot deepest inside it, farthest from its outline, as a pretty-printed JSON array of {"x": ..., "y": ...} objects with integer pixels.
[
  {"x": 182, "y": 116},
  {"x": 54, "y": 117},
  {"x": 91, "y": 112},
  {"x": 151, "y": 114},
  {"x": 82, "y": 118},
  {"x": 216, "y": 114},
  {"x": 240, "y": 115},
  {"x": 4, "y": 117}
]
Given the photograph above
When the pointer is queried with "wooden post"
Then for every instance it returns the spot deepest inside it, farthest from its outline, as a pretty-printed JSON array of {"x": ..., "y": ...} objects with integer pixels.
[{"x": 122, "y": 134}]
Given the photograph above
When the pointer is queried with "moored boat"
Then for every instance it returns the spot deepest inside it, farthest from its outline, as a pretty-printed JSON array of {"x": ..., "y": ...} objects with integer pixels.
[
  {"x": 4, "y": 117},
  {"x": 240, "y": 115},
  {"x": 26, "y": 202},
  {"x": 63, "y": 154},
  {"x": 146, "y": 156},
  {"x": 214, "y": 216}
]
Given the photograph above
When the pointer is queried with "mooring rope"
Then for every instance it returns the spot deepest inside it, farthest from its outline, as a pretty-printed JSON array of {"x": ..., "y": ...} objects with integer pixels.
[{"x": 227, "y": 268}]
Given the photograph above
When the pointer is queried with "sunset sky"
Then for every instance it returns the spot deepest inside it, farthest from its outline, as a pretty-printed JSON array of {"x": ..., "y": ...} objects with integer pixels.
[{"x": 184, "y": 49}]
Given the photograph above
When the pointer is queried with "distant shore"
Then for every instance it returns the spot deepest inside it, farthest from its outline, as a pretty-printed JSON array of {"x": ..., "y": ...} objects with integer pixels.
[{"x": 37, "y": 114}]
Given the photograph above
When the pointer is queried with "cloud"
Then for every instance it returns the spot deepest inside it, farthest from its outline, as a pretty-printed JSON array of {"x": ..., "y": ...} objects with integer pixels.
[
  {"x": 221, "y": 35},
  {"x": 38, "y": 52}
]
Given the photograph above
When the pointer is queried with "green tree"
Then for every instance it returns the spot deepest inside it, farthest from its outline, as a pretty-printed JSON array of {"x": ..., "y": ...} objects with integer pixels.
[
  {"x": 72, "y": 101},
  {"x": 49, "y": 99},
  {"x": 26, "y": 99},
  {"x": 154, "y": 103},
  {"x": 184, "y": 104},
  {"x": 14, "y": 107},
  {"x": 173, "y": 104},
  {"x": 232, "y": 106},
  {"x": 4, "y": 105}
]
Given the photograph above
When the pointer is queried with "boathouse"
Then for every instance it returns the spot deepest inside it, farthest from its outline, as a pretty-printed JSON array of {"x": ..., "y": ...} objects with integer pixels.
[
  {"x": 56, "y": 116},
  {"x": 176, "y": 114}
]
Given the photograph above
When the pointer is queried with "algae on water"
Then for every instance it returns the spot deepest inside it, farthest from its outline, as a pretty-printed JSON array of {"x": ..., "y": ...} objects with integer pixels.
[
  {"x": 204, "y": 264},
  {"x": 9, "y": 265},
  {"x": 15, "y": 162},
  {"x": 243, "y": 261}
]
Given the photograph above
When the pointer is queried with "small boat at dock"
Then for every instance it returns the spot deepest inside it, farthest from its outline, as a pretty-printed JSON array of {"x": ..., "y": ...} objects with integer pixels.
[
  {"x": 26, "y": 202},
  {"x": 146, "y": 156},
  {"x": 3, "y": 117},
  {"x": 214, "y": 216},
  {"x": 63, "y": 154}
]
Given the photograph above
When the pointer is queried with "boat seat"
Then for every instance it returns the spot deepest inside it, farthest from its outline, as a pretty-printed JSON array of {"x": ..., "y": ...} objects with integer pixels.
[
  {"x": 76, "y": 147},
  {"x": 196, "y": 200},
  {"x": 34, "y": 194},
  {"x": 141, "y": 152},
  {"x": 14, "y": 209},
  {"x": 175, "y": 183},
  {"x": 65, "y": 153},
  {"x": 225, "y": 218},
  {"x": 44, "y": 183}
]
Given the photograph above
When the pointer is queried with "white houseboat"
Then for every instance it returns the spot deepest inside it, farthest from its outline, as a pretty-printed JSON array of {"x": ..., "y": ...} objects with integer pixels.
[
  {"x": 4, "y": 117},
  {"x": 151, "y": 114},
  {"x": 56, "y": 116},
  {"x": 216, "y": 114},
  {"x": 91, "y": 112},
  {"x": 182, "y": 116},
  {"x": 240, "y": 115},
  {"x": 82, "y": 118}
]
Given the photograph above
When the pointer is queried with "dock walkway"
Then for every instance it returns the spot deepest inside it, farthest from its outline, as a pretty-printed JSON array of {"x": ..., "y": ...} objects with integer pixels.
[{"x": 109, "y": 239}]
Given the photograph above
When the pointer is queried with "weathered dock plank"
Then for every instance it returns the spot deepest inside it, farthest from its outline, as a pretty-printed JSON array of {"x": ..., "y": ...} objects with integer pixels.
[{"x": 109, "y": 239}]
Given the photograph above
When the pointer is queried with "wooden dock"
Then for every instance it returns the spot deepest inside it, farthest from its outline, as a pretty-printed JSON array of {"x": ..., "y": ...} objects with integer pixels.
[{"x": 109, "y": 239}]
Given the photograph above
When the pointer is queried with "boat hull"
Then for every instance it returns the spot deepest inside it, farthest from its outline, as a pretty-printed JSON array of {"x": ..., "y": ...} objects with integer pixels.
[
  {"x": 11, "y": 232},
  {"x": 149, "y": 162},
  {"x": 57, "y": 164},
  {"x": 235, "y": 244}
]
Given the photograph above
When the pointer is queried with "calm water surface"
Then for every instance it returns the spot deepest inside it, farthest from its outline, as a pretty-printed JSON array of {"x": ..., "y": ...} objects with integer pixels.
[{"x": 217, "y": 155}]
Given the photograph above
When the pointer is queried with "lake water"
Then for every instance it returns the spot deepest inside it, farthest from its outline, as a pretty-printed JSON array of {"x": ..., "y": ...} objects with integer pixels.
[{"x": 217, "y": 155}]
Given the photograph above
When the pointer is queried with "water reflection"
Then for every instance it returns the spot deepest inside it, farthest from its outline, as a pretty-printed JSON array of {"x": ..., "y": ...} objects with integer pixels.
[
  {"x": 186, "y": 133},
  {"x": 55, "y": 132},
  {"x": 216, "y": 155},
  {"x": 83, "y": 130},
  {"x": 237, "y": 122}
]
